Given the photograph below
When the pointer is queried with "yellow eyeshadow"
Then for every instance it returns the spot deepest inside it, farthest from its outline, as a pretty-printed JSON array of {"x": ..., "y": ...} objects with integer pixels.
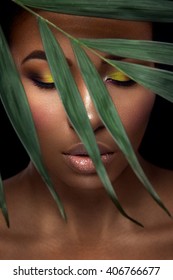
[
  {"x": 47, "y": 78},
  {"x": 118, "y": 76}
]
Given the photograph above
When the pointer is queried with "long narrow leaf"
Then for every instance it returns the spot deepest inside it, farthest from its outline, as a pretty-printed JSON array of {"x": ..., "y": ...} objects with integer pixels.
[
  {"x": 74, "y": 107},
  {"x": 144, "y": 10},
  {"x": 110, "y": 117},
  {"x": 157, "y": 80},
  {"x": 158, "y": 52},
  {"x": 3, "y": 205},
  {"x": 16, "y": 105}
]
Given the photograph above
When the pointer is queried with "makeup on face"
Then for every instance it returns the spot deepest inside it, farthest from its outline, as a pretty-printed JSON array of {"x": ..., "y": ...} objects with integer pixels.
[
  {"x": 78, "y": 159},
  {"x": 118, "y": 78},
  {"x": 44, "y": 79},
  {"x": 56, "y": 135}
]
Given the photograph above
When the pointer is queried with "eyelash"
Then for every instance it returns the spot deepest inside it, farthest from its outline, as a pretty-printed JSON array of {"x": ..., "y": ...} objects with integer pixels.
[
  {"x": 120, "y": 83},
  {"x": 50, "y": 86},
  {"x": 119, "y": 79},
  {"x": 37, "y": 82}
]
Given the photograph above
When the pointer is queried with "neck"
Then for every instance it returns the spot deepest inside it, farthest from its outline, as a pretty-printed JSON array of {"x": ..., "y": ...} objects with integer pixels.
[{"x": 90, "y": 212}]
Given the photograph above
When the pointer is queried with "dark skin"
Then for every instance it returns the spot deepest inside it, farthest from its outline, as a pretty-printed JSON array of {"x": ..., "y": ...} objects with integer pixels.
[
  {"x": 37, "y": 231},
  {"x": 95, "y": 229}
]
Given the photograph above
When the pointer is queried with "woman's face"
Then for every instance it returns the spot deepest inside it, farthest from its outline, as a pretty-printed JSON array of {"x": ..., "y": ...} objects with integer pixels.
[{"x": 62, "y": 152}]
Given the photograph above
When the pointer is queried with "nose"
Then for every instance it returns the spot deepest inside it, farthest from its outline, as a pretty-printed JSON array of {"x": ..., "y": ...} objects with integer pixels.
[{"x": 93, "y": 116}]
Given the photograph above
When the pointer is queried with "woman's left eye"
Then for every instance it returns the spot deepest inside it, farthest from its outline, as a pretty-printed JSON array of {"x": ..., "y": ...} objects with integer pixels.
[{"x": 119, "y": 78}]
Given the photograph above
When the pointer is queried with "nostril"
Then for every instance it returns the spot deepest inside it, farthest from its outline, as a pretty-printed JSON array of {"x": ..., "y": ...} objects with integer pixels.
[
  {"x": 95, "y": 122},
  {"x": 99, "y": 128}
]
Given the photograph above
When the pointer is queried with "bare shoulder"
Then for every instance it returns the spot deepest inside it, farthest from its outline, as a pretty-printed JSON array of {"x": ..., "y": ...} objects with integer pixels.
[
  {"x": 14, "y": 188},
  {"x": 13, "y": 183},
  {"x": 15, "y": 191},
  {"x": 20, "y": 234}
]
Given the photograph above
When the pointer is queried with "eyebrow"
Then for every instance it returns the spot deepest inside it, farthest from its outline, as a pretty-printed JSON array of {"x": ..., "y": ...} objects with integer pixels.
[{"x": 37, "y": 54}]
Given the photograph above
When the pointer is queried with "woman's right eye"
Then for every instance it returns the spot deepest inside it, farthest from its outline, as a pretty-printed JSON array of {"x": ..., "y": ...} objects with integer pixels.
[{"x": 43, "y": 81}]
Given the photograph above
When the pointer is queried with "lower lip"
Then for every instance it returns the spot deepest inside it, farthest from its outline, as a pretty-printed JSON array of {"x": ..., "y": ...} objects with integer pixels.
[{"x": 84, "y": 164}]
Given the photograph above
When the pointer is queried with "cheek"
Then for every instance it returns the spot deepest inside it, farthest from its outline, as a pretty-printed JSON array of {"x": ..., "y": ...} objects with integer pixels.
[
  {"x": 44, "y": 117},
  {"x": 134, "y": 109},
  {"x": 48, "y": 115}
]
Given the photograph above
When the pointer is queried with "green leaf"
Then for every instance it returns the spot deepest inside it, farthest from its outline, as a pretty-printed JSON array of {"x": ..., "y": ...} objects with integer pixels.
[
  {"x": 16, "y": 105},
  {"x": 157, "y": 80},
  {"x": 144, "y": 10},
  {"x": 138, "y": 49},
  {"x": 74, "y": 107},
  {"x": 110, "y": 117},
  {"x": 3, "y": 205}
]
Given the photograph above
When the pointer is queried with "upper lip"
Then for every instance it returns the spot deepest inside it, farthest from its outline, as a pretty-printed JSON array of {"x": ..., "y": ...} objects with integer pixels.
[{"x": 79, "y": 150}]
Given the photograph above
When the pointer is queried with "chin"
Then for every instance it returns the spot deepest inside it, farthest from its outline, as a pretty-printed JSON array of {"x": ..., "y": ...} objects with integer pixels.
[{"x": 89, "y": 181}]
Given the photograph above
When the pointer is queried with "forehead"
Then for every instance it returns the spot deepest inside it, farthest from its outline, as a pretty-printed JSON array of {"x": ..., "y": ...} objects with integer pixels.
[
  {"x": 100, "y": 27},
  {"x": 86, "y": 27}
]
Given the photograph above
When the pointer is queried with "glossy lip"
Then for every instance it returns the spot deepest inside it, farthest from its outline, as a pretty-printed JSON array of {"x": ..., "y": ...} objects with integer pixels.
[{"x": 78, "y": 160}]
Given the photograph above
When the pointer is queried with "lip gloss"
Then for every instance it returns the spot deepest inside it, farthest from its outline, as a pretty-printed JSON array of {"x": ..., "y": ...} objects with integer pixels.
[{"x": 83, "y": 164}]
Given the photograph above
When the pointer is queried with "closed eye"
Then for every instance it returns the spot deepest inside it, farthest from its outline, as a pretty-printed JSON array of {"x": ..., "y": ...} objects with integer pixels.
[
  {"x": 43, "y": 82},
  {"x": 119, "y": 78}
]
